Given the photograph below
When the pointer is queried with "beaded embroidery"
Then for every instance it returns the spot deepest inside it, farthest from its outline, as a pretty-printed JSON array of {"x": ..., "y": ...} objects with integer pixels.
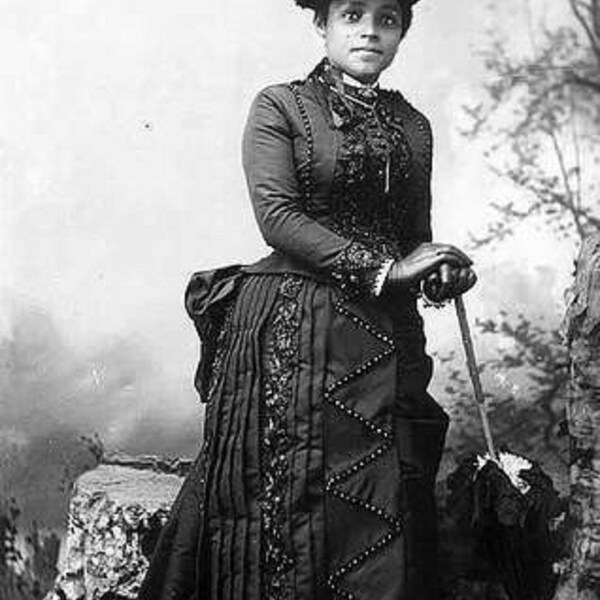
[
  {"x": 280, "y": 364},
  {"x": 369, "y": 206},
  {"x": 357, "y": 267},
  {"x": 371, "y": 180},
  {"x": 385, "y": 445},
  {"x": 372, "y": 183},
  {"x": 305, "y": 175},
  {"x": 370, "y": 211}
]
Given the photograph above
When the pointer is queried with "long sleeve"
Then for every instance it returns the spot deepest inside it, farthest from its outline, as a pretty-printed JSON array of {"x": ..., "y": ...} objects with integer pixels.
[
  {"x": 417, "y": 228},
  {"x": 275, "y": 191}
]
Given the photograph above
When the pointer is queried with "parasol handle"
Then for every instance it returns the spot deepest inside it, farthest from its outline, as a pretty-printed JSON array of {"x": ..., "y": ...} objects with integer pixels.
[{"x": 467, "y": 341}]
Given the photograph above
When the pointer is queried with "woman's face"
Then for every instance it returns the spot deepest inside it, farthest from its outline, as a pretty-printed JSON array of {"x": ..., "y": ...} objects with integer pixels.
[{"x": 362, "y": 36}]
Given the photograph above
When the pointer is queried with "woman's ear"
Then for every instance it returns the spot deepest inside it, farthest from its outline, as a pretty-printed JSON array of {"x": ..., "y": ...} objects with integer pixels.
[{"x": 320, "y": 26}]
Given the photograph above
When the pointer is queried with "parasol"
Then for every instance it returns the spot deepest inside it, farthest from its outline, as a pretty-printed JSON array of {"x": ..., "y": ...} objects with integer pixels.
[{"x": 508, "y": 500}]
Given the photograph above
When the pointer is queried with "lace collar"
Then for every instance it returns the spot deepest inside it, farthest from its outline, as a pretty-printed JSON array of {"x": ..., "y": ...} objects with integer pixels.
[
  {"x": 351, "y": 106},
  {"x": 346, "y": 87}
]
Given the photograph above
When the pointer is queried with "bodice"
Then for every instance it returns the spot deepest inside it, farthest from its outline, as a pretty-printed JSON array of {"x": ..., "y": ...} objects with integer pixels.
[
  {"x": 339, "y": 178},
  {"x": 369, "y": 197}
]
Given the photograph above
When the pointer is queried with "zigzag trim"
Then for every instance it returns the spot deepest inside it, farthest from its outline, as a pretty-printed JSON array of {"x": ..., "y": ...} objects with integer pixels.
[{"x": 331, "y": 486}]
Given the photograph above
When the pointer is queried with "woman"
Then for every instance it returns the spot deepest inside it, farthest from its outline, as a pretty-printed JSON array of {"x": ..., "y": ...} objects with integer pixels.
[{"x": 321, "y": 447}]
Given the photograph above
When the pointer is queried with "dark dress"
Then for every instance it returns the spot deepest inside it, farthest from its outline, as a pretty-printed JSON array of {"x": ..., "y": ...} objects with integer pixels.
[{"x": 316, "y": 476}]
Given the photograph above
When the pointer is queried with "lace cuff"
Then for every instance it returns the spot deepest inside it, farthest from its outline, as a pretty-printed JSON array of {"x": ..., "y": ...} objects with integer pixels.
[
  {"x": 382, "y": 276},
  {"x": 361, "y": 269}
]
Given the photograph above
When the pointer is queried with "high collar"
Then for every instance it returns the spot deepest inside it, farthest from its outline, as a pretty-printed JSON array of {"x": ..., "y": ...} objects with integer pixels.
[
  {"x": 349, "y": 81},
  {"x": 344, "y": 84}
]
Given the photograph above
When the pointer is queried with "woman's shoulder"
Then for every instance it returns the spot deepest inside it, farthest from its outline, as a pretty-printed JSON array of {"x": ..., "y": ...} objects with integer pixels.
[
  {"x": 278, "y": 93},
  {"x": 291, "y": 100},
  {"x": 400, "y": 103},
  {"x": 406, "y": 113},
  {"x": 274, "y": 91},
  {"x": 272, "y": 101}
]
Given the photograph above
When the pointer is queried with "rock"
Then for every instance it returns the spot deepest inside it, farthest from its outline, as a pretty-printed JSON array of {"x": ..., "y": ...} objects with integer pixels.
[{"x": 115, "y": 516}]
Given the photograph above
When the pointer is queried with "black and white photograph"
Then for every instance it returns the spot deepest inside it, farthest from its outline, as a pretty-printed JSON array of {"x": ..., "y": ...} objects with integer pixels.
[{"x": 300, "y": 300}]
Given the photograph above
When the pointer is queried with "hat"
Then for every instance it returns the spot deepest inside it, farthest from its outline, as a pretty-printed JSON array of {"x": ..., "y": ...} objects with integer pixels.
[{"x": 314, "y": 3}]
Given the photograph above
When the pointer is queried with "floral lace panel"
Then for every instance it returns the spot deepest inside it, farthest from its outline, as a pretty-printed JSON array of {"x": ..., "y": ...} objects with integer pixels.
[
  {"x": 280, "y": 366},
  {"x": 372, "y": 179},
  {"x": 374, "y": 139},
  {"x": 357, "y": 267},
  {"x": 369, "y": 186}
]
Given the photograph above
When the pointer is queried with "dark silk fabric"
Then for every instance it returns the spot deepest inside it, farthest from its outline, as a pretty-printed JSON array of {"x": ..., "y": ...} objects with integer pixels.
[
  {"x": 280, "y": 143},
  {"x": 316, "y": 476}
]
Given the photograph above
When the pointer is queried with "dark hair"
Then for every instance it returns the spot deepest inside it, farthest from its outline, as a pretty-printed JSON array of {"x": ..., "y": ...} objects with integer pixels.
[{"x": 322, "y": 12}]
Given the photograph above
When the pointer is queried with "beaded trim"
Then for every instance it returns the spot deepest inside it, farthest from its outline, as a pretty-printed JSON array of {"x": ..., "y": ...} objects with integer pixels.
[
  {"x": 375, "y": 241},
  {"x": 386, "y": 145},
  {"x": 394, "y": 523},
  {"x": 370, "y": 188},
  {"x": 281, "y": 346},
  {"x": 305, "y": 175},
  {"x": 357, "y": 267}
]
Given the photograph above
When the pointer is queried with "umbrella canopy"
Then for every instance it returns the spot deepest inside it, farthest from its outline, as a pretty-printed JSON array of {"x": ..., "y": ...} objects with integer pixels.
[{"x": 513, "y": 517}]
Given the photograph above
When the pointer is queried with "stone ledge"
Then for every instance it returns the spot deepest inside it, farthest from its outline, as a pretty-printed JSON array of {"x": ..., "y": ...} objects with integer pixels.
[{"x": 115, "y": 516}]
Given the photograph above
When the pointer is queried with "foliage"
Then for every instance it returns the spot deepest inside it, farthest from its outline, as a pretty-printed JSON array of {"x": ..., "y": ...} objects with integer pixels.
[
  {"x": 27, "y": 562},
  {"x": 524, "y": 387},
  {"x": 540, "y": 121},
  {"x": 29, "y": 555}
]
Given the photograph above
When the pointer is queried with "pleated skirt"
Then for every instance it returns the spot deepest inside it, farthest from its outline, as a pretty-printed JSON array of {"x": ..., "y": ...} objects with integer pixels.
[{"x": 315, "y": 480}]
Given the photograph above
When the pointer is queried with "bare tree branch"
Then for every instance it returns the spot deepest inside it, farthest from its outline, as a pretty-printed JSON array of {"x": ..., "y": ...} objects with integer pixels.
[
  {"x": 577, "y": 147},
  {"x": 530, "y": 113},
  {"x": 569, "y": 203},
  {"x": 591, "y": 84},
  {"x": 590, "y": 29}
]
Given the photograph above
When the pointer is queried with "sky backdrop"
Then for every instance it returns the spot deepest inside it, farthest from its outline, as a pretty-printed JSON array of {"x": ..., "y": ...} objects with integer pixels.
[{"x": 120, "y": 175}]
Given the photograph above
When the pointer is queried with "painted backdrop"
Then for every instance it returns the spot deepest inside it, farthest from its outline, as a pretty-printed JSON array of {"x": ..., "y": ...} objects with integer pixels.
[{"x": 120, "y": 128}]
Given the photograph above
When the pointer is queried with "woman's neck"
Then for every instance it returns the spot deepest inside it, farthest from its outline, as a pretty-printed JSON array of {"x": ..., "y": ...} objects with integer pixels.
[
  {"x": 351, "y": 81},
  {"x": 347, "y": 79}
]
